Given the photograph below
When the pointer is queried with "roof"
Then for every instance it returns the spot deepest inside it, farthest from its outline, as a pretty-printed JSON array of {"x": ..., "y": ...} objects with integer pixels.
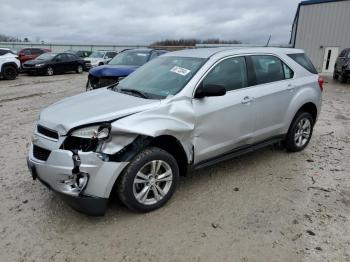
[
  {"x": 312, "y": 2},
  {"x": 308, "y": 2},
  {"x": 208, "y": 52}
]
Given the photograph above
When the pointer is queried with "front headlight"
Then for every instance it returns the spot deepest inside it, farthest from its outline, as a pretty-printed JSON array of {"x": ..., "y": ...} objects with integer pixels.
[
  {"x": 38, "y": 65},
  {"x": 91, "y": 132}
]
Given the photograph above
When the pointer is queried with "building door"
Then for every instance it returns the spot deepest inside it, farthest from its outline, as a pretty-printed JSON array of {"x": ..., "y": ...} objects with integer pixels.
[{"x": 330, "y": 56}]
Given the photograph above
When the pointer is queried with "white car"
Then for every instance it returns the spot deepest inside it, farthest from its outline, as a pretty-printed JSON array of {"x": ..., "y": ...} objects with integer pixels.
[
  {"x": 98, "y": 58},
  {"x": 9, "y": 64}
]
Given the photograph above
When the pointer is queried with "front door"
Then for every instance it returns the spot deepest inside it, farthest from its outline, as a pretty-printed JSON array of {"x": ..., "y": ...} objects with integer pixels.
[
  {"x": 226, "y": 122},
  {"x": 330, "y": 56}
]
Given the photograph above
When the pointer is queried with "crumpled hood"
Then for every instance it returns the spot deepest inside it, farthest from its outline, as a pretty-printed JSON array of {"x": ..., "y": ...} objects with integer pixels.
[
  {"x": 92, "y": 107},
  {"x": 112, "y": 70}
]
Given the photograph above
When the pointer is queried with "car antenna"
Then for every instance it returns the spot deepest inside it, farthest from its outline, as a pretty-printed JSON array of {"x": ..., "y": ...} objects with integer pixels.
[{"x": 268, "y": 41}]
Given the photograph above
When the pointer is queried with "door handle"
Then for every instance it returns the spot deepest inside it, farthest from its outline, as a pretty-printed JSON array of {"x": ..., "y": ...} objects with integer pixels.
[{"x": 246, "y": 100}]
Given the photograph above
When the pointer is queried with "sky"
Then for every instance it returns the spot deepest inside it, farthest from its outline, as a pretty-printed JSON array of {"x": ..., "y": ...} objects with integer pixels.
[{"x": 143, "y": 22}]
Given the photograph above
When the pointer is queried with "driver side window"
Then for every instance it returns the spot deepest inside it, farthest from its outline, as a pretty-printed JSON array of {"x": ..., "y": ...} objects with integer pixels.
[{"x": 230, "y": 73}]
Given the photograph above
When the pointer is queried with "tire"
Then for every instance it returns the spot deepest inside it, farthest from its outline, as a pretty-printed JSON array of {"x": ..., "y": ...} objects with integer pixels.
[
  {"x": 335, "y": 76},
  {"x": 343, "y": 78},
  {"x": 79, "y": 69},
  {"x": 142, "y": 192},
  {"x": 49, "y": 71},
  {"x": 300, "y": 132},
  {"x": 88, "y": 86},
  {"x": 9, "y": 72}
]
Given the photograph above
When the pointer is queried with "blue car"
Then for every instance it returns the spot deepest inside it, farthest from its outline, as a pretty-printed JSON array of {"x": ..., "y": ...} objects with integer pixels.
[{"x": 120, "y": 66}]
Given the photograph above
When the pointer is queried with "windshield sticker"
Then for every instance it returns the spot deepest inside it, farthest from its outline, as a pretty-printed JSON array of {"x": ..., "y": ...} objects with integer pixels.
[
  {"x": 141, "y": 54},
  {"x": 180, "y": 70}
]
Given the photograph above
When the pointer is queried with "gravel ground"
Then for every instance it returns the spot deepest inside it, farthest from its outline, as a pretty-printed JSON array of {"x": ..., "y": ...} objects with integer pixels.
[{"x": 266, "y": 206}]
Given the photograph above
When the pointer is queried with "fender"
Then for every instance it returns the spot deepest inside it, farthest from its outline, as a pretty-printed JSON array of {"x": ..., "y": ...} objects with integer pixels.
[
  {"x": 173, "y": 118},
  {"x": 310, "y": 93}
]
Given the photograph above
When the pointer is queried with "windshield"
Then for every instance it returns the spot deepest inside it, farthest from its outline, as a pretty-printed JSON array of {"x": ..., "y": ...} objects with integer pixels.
[
  {"x": 162, "y": 76},
  {"x": 46, "y": 56},
  {"x": 97, "y": 54},
  {"x": 130, "y": 58}
]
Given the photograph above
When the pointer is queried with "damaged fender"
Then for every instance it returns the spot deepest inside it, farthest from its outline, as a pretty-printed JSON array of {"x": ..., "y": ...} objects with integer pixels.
[{"x": 174, "y": 117}]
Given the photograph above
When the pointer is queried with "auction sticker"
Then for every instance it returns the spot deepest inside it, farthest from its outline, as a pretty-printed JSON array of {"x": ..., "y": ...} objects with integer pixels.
[{"x": 180, "y": 70}]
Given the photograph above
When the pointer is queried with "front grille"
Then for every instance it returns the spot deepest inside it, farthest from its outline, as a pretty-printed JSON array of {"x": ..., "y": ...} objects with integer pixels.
[
  {"x": 41, "y": 153},
  {"x": 47, "y": 132},
  {"x": 107, "y": 81},
  {"x": 96, "y": 82}
]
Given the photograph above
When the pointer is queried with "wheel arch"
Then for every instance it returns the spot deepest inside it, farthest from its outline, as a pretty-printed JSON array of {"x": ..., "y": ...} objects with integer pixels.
[
  {"x": 310, "y": 108},
  {"x": 174, "y": 147},
  {"x": 9, "y": 64}
]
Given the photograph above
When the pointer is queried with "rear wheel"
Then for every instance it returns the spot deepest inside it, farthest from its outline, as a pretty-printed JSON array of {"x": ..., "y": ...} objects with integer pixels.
[
  {"x": 79, "y": 69},
  {"x": 300, "y": 132},
  {"x": 49, "y": 71},
  {"x": 9, "y": 72},
  {"x": 149, "y": 181}
]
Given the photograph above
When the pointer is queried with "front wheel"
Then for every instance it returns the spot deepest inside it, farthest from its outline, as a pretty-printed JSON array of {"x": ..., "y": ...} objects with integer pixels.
[
  {"x": 343, "y": 78},
  {"x": 9, "y": 72},
  {"x": 49, "y": 71},
  {"x": 300, "y": 132},
  {"x": 79, "y": 69},
  {"x": 149, "y": 181},
  {"x": 335, "y": 76}
]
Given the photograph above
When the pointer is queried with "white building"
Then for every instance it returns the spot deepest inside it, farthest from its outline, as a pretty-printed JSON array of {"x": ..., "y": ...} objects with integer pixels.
[{"x": 322, "y": 29}]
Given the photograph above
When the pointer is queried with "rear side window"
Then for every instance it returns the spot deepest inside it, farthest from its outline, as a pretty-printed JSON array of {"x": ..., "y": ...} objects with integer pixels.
[
  {"x": 304, "y": 61},
  {"x": 268, "y": 69},
  {"x": 230, "y": 73}
]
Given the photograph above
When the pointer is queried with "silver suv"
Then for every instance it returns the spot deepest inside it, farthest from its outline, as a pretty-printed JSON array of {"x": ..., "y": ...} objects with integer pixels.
[{"x": 184, "y": 110}]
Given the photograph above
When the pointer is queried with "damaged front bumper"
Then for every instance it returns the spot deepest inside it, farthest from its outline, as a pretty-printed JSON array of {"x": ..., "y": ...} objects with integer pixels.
[{"x": 83, "y": 180}]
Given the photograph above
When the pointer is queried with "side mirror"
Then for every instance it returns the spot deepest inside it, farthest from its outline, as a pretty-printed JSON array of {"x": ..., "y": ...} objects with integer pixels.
[{"x": 209, "y": 90}]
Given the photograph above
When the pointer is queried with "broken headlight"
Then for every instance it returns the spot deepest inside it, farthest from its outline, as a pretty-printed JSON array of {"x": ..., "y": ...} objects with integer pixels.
[
  {"x": 92, "y": 132},
  {"x": 87, "y": 138}
]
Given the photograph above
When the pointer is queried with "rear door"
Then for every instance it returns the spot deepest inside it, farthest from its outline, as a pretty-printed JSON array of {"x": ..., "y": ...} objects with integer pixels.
[
  {"x": 272, "y": 94},
  {"x": 226, "y": 122}
]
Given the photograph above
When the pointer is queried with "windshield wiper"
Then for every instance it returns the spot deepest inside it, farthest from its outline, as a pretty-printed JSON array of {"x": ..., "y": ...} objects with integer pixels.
[{"x": 134, "y": 91}]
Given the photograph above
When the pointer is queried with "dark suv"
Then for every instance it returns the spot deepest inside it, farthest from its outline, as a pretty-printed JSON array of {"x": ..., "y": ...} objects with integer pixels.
[{"x": 342, "y": 66}]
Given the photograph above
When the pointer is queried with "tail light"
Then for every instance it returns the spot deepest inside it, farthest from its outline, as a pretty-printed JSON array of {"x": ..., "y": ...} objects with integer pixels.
[{"x": 320, "y": 82}]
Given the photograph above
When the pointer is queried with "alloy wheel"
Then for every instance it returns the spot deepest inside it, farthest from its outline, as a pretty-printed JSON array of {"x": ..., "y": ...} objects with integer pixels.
[
  {"x": 80, "y": 69},
  {"x": 152, "y": 182},
  {"x": 302, "y": 132},
  {"x": 49, "y": 71}
]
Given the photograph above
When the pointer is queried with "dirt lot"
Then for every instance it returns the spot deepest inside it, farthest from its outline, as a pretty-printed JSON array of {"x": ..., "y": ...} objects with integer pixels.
[{"x": 266, "y": 206}]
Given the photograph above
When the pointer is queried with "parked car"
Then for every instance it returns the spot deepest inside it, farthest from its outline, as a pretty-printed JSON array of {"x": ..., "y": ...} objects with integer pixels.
[
  {"x": 342, "y": 66},
  {"x": 9, "y": 64},
  {"x": 98, "y": 58},
  {"x": 184, "y": 110},
  {"x": 27, "y": 54},
  {"x": 52, "y": 63},
  {"x": 120, "y": 66},
  {"x": 80, "y": 53}
]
